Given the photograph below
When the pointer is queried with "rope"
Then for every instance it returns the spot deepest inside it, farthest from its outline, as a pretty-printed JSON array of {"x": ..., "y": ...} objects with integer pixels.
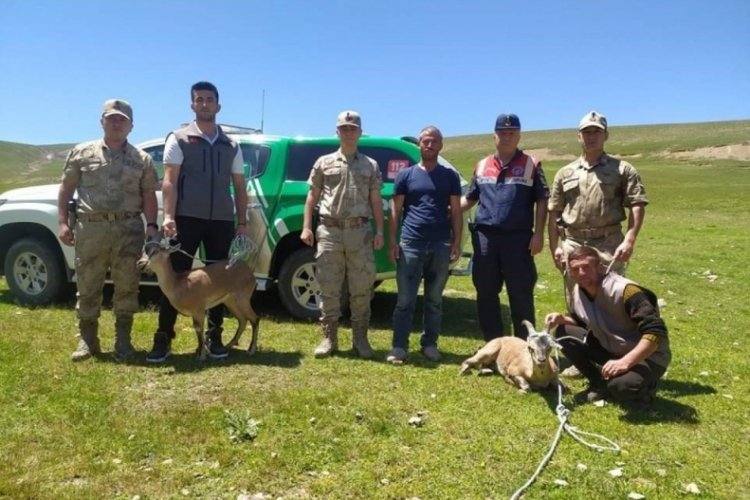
[
  {"x": 562, "y": 416},
  {"x": 240, "y": 250}
]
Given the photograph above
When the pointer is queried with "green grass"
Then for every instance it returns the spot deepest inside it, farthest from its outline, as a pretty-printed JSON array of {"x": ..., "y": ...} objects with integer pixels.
[
  {"x": 338, "y": 428},
  {"x": 25, "y": 165}
]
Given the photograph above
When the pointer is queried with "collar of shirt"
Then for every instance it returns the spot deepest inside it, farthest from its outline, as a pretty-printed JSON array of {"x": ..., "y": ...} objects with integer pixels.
[
  {"x": 503, "y": 166},
  {"x": 197, "y": 131},
  {"x": 604, "y": 158},
  {"x": 341, "y": 154},
  {"x": 110, "y": 151}
]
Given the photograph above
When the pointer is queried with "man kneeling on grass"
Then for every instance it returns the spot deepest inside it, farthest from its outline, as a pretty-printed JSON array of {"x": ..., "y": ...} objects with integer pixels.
[{"x": 624, "y": 346}]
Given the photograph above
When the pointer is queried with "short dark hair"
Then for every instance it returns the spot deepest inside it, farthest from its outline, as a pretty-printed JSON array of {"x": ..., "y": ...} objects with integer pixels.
[
  {"x": 203, "y": 86},
  {"x": 431, "y": 129},
  {"x": 584, "y": 252}
]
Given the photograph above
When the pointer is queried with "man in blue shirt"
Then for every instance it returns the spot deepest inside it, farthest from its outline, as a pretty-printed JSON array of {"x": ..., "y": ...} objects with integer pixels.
[
  {"x": 429, "y": 195},
  {"x": 509, "y": 229}
]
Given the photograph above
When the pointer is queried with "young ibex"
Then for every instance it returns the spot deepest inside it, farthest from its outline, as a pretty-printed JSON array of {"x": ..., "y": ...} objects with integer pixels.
[
  {"x": 523, "y": 364},
  {"x": 193, "y": 292}
]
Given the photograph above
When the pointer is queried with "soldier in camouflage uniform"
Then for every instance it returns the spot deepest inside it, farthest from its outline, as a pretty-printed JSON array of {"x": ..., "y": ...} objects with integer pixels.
[
  {"x": 116, "y": 182},
  {"x": 588, "y": 201},
  {"x": 347, "y": 183},
  {"x": 587, "y": 206}
]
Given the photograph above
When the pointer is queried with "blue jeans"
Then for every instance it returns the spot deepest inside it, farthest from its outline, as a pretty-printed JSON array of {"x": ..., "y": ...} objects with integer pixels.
[{"x": 417, "y": 260}]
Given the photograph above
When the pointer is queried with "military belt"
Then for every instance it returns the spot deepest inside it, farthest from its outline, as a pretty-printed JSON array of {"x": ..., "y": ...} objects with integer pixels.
[
  {"x": 592, "y": 234},
  {"x": 342, "y": 223},
  {"x": 107, "y": 216}
]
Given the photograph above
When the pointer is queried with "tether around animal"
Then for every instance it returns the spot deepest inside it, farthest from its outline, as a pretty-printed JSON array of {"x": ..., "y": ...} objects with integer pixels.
[
  {"x": 562, "y": 416},
  {"x": 241, "y": 249}
]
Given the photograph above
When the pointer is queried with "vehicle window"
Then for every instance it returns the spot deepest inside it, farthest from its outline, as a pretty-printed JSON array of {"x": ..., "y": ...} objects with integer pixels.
[
  {"x": 157, "y": 154},
  {"x": 302, "y": 157},
  {"x": 389, "y": 160},
  {"x": 255, "y": 157}
]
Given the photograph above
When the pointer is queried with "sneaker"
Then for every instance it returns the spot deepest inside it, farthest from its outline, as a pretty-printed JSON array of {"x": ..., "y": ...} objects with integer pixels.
[
  {"x": 397, "y": 356},
  {"x": 591, "y": 394},
  {"x": 162, "y": 348},
  {"x": 431, "y": 353},
  {"x": 571, "y": 372},
  {"x": 216, "y": 349}
]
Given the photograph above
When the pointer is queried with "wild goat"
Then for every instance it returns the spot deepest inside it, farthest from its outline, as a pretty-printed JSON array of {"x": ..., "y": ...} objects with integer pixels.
[
  {"x": 523, "y": 364},
  {"x": 195, "y": 291}
]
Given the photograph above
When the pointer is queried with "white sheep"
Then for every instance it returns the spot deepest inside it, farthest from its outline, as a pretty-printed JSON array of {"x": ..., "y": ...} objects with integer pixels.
[{"x": 525, "y": 364}]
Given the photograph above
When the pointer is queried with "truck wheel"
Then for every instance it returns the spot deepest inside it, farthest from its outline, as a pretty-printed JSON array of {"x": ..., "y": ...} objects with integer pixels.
[
  {"x": 34, "y": 272},
  {"x": 299, "y": 290}
]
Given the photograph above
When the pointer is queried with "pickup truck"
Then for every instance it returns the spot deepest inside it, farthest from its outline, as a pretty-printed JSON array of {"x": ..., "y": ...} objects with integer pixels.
[{"x": 39, "y": 269}]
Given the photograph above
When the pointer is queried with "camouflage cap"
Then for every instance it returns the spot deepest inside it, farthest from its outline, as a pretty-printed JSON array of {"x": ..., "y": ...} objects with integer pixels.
[
  {"x": 593, "y": 119},
  {"x": 117, "y": 107},
  {"x": 349, "y": 118}
]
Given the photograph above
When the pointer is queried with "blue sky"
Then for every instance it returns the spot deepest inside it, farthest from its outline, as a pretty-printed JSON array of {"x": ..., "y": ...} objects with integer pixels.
[{"x": 401, "y": 64}]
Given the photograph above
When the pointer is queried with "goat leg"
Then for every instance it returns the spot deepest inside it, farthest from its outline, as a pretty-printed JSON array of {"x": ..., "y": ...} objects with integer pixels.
[
  {"x": 522, "y": 383},
  {"x": 202, "y": 340},
  {"x": 253, "y": 347}
]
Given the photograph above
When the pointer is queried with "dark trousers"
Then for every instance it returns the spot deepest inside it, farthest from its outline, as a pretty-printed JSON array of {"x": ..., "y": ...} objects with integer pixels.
[
  {"x": 589, "y": 356},
  {"x": 503, "y": 259},
  {"x": 216, "y": 237}
]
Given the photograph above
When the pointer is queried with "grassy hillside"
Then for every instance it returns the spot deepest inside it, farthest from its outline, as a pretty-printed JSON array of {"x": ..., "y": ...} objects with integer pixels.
[{"x": 25, "y": 165}]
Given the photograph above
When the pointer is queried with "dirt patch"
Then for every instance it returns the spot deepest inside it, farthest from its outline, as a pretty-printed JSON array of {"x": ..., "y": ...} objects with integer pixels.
[{"x": 732, "y": 152}]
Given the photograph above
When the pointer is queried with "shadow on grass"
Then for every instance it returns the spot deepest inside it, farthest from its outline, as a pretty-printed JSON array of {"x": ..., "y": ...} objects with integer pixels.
[
  {"x": 669, "y": 410},
  {"x": 662, "y": 410},
  {"x": 683, "y": 388},
  {"x": 187, "y": 362}
]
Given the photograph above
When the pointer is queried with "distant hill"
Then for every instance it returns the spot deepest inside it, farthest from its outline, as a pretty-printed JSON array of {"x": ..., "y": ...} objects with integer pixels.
[
  {"x": 728, "y": 141},
  {"x": 26, "y": 165}
]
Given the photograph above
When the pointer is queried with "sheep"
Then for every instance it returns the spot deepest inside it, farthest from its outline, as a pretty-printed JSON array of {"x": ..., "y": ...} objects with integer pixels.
[
  {"x": 193, "y": 292},
  {"x": 525, "y": 364}
]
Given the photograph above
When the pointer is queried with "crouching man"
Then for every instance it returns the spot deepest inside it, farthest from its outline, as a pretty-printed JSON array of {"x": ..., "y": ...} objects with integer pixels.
[{"x": 624, "y": 346}]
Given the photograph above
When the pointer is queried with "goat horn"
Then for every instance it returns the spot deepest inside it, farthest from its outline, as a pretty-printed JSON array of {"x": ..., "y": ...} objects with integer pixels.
[{"x": 529, "y": 326}]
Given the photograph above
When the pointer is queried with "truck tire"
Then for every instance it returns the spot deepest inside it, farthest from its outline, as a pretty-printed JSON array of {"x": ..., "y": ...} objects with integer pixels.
[
  {"x": 35, "y": 273},
  {"x": 299, "y": 290}
]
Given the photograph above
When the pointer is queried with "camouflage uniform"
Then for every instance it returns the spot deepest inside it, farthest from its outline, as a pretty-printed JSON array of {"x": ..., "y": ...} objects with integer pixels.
[
  {"x": 109, "y": 230},
  {"x": 592, "y": 200},
  {"x": 344, "y": 237}
]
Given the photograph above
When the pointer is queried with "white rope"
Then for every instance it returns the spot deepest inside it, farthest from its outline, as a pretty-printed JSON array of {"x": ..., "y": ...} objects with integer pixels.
[
  {"x": 241, "y": 249},
  {"x": 562, "y": 416}
]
